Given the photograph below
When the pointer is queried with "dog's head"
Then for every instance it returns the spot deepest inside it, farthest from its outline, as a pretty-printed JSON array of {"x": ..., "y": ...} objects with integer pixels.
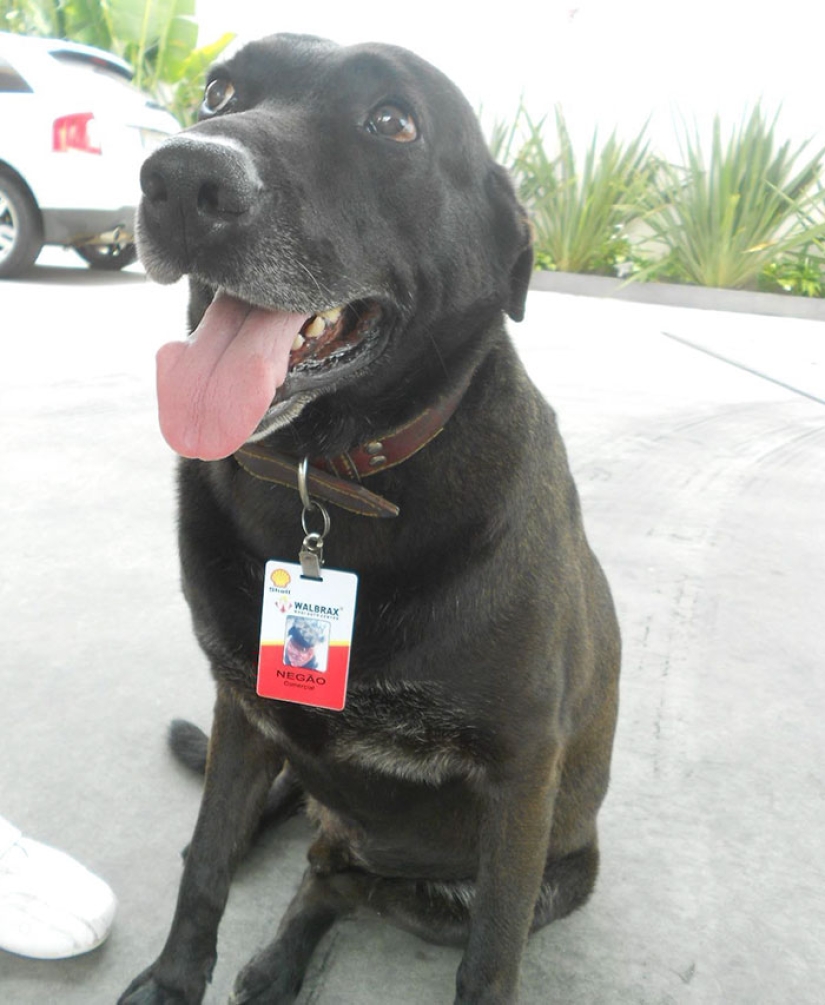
[{"x": 346, "y": 233}]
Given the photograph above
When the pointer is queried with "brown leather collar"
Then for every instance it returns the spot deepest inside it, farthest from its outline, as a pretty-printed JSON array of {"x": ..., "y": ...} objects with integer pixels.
[{"x": 337, "y": 479}]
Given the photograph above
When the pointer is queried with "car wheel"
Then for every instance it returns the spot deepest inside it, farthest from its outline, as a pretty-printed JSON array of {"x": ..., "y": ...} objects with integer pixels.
[
  {"x": 109, "y": 257},
  {"x": 21, "y": 227}
]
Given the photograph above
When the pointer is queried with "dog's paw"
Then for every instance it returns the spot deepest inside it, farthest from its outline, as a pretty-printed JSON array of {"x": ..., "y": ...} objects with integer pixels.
[
  {"x": 260, "y": 986},
  {"x": 146, "y": 990},
  {"x": 263, "y": 996}
]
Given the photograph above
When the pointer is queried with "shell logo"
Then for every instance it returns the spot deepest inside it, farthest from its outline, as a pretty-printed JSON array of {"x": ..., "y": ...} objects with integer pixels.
[{"x": 281, "y": 578}]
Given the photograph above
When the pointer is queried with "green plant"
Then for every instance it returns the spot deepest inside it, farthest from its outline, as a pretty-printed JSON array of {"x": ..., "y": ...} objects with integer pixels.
[
  {"x": 158, "y": 37},
  {"x": 32, "y": 17},
  {"x": 581, "y": 212},
  {"x": 802, "y": 272},
  {"x": 721, "y": 221}
]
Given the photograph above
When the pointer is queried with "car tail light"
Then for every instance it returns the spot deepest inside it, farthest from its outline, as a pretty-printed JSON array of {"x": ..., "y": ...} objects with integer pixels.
[{"x": 76, "y": 132}]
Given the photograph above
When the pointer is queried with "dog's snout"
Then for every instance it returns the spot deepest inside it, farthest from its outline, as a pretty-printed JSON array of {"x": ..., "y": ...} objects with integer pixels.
[
  {"x": 199, "y": 186},
  {"x": 153, "y": 185},
  {"x": 215, "y": 199}
]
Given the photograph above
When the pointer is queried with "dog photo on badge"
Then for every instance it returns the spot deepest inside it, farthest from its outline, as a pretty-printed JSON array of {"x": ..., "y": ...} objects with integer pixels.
[{"x": 306, "y": 643}]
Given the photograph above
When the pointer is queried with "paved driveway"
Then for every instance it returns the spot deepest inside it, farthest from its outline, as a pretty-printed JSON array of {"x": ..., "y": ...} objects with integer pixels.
[{"x": 703, "y": 487}]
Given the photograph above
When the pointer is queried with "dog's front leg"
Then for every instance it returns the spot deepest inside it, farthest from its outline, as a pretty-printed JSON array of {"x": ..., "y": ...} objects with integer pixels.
[
  {"x": 513, "y": 848},
  {"x": 241, "y": 766}
]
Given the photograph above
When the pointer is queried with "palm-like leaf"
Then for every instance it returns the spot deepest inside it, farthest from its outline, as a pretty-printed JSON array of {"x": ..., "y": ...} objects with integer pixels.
[
  {"x": 158, "y": 37},
  {"x": 580, "y": 212},
  {"x": 722, "y": 221}
]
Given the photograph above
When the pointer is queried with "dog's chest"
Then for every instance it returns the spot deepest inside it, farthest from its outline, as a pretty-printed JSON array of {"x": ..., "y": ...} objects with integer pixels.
[{"x": 410, "y": 732}]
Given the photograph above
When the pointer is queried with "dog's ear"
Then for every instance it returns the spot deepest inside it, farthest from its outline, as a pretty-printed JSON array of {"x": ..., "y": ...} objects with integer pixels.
[
  {"x": 520, "y": 281},
  {"x": 514, "y": 239}
]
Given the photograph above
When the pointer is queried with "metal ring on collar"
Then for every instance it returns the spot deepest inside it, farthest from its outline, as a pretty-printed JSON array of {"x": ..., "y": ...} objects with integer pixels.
[
  {"x": 302, "y": 484},
  {"x": 310, "y": 505},
  {"x": 315, "y": 534}
]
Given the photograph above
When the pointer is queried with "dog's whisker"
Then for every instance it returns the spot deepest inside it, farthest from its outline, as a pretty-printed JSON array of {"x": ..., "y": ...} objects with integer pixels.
[
  {"x": 325, "y": 293},
  {"x": 437, "y": 352}
]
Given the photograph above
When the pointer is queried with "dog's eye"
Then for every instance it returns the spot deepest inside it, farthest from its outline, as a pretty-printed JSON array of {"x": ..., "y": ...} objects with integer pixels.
[
  {"x": 393, "y": 123},
  {"x": 219, "y": 92}
]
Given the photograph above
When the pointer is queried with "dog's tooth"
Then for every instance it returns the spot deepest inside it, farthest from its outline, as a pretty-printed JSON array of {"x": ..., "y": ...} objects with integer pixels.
[
  {"x": 299, "y": 341},
  {"x": 331, "y": 315},
  {"x": 315, "y": 327}
]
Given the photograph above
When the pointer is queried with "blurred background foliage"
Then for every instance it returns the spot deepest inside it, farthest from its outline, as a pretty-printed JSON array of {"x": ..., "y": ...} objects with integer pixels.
[
  {"x": 745, "y": 212},
  {"x": 159, "y": 38},
  {"x": 742, "y": 212}
]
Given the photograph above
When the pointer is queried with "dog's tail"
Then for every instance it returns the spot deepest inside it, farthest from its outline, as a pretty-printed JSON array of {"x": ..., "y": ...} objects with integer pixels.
[{"x": 190, "y": 746}]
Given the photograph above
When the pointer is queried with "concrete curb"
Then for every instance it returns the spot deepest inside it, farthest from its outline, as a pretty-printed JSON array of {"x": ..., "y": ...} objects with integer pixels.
[{"x": 674, "y": 295}]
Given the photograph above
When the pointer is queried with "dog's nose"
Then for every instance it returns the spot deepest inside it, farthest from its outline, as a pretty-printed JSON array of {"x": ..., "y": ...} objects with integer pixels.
[{"x": 195, "y": 190}]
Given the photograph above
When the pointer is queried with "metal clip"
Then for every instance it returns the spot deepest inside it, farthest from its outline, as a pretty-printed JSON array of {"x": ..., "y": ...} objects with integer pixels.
[{"x": 311, "y": 555}]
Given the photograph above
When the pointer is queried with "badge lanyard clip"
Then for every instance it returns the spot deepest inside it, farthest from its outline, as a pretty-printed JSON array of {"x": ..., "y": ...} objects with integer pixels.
[
  {"x": 311, "y": 555},
  {"x": 307, "y": 619}
]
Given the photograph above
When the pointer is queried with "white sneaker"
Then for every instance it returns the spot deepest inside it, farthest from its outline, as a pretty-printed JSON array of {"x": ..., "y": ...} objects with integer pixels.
[{"x": 51, "y": 906}]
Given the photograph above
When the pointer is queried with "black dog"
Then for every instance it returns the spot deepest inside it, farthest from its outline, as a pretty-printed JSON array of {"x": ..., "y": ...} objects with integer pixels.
[{"x": 456, "y": 794}]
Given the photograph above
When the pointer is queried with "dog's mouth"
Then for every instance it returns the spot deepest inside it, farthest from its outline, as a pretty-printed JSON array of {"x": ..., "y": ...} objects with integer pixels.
[
  {"x": 330, "y": 338},
  {"x": 244, "y": 366}
]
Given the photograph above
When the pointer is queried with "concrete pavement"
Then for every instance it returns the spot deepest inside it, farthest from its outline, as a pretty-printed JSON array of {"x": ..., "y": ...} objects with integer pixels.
[{"x": 703, "y": 487}]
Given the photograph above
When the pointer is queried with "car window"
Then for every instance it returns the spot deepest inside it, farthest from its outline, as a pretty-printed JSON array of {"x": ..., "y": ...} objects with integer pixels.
[
  {"x": 10, "y": 79},
  {"x": 85, "y": 64},
  {"x": 107, "y": 77}
]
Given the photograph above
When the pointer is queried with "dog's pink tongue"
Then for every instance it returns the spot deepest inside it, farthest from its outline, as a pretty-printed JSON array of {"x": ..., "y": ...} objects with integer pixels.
[{"x": 214, "y": 389}]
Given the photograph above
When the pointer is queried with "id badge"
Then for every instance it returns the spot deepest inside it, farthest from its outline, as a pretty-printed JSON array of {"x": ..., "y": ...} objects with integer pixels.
[{"x": 306, "y": 634}]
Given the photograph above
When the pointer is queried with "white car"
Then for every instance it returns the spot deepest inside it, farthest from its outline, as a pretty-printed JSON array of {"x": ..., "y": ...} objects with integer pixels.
[{"x": 74, "y": 134}]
